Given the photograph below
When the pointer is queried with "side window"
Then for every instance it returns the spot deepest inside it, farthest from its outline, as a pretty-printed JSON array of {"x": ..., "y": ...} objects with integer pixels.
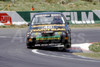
[
  {"x": 57, "y": 20},
  {"x": 65, "y": 20},
  {"x": 35, "y": 20}
]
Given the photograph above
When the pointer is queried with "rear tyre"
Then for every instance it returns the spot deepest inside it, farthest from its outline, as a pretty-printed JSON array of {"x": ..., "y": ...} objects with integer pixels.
[
  {"x": 67, "y": 44},
  {"x": 30, "y": 45}
]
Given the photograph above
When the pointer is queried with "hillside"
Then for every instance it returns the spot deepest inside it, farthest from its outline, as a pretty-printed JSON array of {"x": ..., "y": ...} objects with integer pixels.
[{"x": 48, "y": 5}]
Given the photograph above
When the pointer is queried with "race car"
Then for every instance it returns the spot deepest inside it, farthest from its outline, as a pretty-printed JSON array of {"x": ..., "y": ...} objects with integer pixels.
[{"x": 48, "y": 28}]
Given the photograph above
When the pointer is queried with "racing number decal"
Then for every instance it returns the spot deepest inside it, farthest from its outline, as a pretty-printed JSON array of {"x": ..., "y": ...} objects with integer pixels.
[
  {"x": 5, "y": 19},
  {"x": 48, "y": 27}
]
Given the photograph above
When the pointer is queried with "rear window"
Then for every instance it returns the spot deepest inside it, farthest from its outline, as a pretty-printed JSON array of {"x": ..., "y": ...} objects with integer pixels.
[{"x": 48, "y": 19}]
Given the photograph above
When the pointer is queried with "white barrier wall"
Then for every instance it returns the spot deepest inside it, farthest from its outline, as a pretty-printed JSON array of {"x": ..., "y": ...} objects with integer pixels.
[{"x": 74, "y": 17}]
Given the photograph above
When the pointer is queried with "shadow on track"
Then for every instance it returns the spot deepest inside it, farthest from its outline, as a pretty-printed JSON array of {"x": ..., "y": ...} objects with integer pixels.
[
  {"x": 58, "y": 49},
  {"x": 50, "y": 48}
]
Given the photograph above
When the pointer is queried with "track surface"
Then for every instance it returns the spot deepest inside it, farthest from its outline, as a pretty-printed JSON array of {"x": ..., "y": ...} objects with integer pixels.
[{"x": 13, "y": 51}]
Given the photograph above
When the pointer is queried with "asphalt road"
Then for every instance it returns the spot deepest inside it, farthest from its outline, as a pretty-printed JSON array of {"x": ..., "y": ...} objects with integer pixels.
[{"x": 13, "y": 51}]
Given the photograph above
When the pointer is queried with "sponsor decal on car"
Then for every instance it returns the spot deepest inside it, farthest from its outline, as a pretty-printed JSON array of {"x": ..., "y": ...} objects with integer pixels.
[
  {"x": 48, "y": 38},
  {"x": 54, "y": 29}
]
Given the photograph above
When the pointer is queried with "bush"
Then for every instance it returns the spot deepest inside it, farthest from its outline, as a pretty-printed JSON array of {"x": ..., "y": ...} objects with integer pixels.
[
  {"x": 90, "y": 0},
  {"x": 4, "y": 0},
  {"x": 95, "y": 2},
  {"x": 70, "y": 0},
  {"x": 49, "y": 1},
  {"x": 95, "y": 47},
  {"x": 55, "y": 1}
]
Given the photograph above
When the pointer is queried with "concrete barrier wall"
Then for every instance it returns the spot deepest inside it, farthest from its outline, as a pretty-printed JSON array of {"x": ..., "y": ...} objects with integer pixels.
[{"x": 74, "y": 17}]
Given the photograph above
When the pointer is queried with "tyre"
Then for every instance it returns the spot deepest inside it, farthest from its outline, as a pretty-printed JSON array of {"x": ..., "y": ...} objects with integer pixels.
[
  {"x": 30, "y": 45},
  {"x": 67, "y": 44}
]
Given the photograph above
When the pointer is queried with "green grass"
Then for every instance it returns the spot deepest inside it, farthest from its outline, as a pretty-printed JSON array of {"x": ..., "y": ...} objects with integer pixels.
[
  {"x": 71, "y": 26},
  {"x": 95, "y": 47},
  {"x": 41, "y": 5},
  {"x": 85, "y": 26},
  {"x": 90, "y": 55},
  {"x": 14, "y": 26}
]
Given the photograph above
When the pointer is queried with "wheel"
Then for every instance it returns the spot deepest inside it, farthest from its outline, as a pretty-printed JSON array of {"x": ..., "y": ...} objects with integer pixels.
[
  {"x": 67, "y": 44},
  {"x": 30, "y": 45},
  {"x": 61, "y": 48}
]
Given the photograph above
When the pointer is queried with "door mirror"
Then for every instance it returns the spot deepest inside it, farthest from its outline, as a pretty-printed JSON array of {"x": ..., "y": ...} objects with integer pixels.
[
  {"x": 67, "y": 22},
  {"x": 28, "y": 24}
]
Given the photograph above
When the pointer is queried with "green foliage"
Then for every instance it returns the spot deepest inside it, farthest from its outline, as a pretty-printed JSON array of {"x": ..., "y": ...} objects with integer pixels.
[
  {"x": 61, "y": 1},
  {"x": 49, "y": 5},
  {"x": 94, "y": 55},
  {"x": 70, "y": 0},
  {"x": 95, "y": 47},
  {"x": 89, "y": 0},
  {"x": 49, "y": 1},
  {"x": 14, "y": 26},
  {"x": 4, "y": 0},
  {"x": 29, "y": 0},
  {"x": 95, "y": 2}
]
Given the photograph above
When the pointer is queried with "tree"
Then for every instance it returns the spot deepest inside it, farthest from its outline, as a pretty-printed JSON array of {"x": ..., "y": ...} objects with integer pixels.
[
  {"x": 13, "y": 1},
  {"x": 4, "y": 0}
]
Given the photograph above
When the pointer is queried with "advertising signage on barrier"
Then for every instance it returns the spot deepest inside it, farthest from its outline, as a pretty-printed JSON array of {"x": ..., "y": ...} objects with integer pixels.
[
  {"x": 81, "y": 17},
  {"x": 5, "y": 19},
  {"x": 74, "y": 17}
]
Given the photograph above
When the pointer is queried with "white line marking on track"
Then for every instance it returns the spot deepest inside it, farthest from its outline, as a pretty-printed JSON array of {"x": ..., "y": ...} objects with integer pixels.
[
  {"x": 84, "y": 57},
  {"x": 3, "y": 36},
  {"x": 36, "y": 52},
  {"x": 9, "y": 37}
]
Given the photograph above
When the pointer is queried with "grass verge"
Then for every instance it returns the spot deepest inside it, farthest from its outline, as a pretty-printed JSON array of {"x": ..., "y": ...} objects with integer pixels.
[
  {"x": 56, "y": 5},
  {"x": 14, "y": 26},
  {"x": 90, "y": 55},
  {"x": 95, "y": 47},
  {"x": 71, "y": 26},
  {"x": 85, "y": 26}
]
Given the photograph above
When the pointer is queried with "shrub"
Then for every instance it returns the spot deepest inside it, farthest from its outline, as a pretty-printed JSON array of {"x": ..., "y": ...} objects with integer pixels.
[
  {"x": 49, "y": 1},
  {"x": 95, "y": 2},
  {"x": 70, "y": 0},
  {"x": 95, "y": 47},
  {"x": 55, "y": 1},
  {"x": 4, "y": 0},
  {"x": 90, "y": 0}
]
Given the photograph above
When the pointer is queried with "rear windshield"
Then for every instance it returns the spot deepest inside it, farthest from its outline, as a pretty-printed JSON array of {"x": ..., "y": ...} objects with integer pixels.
[{"x": 48, "y": 19}]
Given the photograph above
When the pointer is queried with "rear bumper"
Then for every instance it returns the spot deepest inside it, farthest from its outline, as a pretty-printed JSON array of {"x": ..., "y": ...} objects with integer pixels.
[{"x": 47, "y": 41}]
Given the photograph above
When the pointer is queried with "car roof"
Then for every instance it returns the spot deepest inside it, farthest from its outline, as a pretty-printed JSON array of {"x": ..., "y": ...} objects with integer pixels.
[{"x": 48, "y": 13}]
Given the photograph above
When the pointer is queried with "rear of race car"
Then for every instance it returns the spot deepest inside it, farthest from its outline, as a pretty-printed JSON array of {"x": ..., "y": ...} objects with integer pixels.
[
  {"x": 55, "y": 31},
  {"x": 48, "y": 36}
]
